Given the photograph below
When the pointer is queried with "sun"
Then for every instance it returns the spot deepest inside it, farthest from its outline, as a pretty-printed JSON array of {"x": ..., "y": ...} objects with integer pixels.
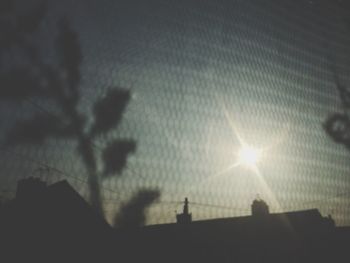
[{"x": 248, "y": 156}]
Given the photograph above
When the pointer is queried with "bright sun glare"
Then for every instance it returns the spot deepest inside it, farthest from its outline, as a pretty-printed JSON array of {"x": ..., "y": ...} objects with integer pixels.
[{"x": 248, "y": 156}]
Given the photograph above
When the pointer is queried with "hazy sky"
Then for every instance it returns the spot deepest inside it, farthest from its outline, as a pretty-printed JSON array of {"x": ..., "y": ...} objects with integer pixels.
[{"x": 202, "y": 75}]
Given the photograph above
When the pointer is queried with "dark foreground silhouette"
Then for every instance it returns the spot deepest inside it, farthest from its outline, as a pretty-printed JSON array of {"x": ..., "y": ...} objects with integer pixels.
[{"x": 55, "y": 224}]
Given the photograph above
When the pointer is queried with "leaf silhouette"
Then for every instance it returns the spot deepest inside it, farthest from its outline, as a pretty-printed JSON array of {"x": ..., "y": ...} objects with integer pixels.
[
  {"x": 338, "y": 127},
  {"x": 115, "y": 156},
  {"x": 37, "y": 130},
  {"x": 70, "y": 55},
  {"x": 344, "y": 93},
  {"x": 7, "y": 28},
  {"x": 59, "y": 83},
  {"x": 108, "y": 111},
  {"x": 15, "y": 27},
  {"x": 5, "y": 6},
  {"x": 133, "y": 213},
  {"x": 18, "y": 84},
  {"x": 30, "y": 21}
]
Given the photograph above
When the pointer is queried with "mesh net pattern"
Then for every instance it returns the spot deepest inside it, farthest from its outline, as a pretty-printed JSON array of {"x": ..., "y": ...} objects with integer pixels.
[{"x": 205, "y": 75}]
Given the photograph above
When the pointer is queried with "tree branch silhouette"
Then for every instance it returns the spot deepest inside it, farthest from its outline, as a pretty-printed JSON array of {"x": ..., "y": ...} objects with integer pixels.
[
  {"x": 60, "y": 85},
  {"x": 133, "y": 213},
  {"x": 337, "y": 124}
]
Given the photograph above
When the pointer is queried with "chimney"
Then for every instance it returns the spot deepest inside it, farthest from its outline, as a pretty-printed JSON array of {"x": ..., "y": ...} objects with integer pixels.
[
  {"x": 259, "y": 208},
  {"x": 185, "y": 217}
]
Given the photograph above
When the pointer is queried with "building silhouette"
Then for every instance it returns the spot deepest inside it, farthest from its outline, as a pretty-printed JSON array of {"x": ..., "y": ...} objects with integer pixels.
[
  {"x": 296, "y": 236},
  {"x": 259, "y": 208},
  {"x": 53, "y": 223},
  {"x": 185, "y": 217}
]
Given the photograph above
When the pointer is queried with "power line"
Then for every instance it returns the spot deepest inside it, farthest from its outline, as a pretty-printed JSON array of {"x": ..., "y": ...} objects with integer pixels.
[
  {"x": 51, "y": 168},
  {"x": 219, "y": 206},
  {"x": 69, "y": 175},
  {"x": 44, "y": 110}
]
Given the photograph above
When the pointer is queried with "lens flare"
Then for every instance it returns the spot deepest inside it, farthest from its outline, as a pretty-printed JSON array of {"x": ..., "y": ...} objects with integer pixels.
[{"x": 248, "y": 156}]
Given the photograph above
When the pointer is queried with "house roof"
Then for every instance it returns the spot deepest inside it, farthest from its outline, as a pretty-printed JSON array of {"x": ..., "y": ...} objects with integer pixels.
[{"x": 289, "y": 223}]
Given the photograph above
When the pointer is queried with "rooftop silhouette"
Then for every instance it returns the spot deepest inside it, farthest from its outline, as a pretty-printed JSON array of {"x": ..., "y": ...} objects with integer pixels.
[{"x": 56, "y": 216}]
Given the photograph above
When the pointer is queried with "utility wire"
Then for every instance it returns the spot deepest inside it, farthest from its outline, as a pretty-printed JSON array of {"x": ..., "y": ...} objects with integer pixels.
[
  {"x": 170, "y": 202},
  {"x": 51, "y": 168}
]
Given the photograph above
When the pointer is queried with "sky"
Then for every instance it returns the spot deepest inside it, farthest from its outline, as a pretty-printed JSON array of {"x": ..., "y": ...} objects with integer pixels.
[{"x": 205, "y": 78}]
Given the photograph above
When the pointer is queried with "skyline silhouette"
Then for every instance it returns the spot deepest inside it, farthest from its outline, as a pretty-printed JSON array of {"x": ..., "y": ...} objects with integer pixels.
[{"x": 46, "y": 216}]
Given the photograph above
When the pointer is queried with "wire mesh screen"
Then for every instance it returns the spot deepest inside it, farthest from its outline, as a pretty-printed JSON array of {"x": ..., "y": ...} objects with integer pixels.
[{"x": 206, "y": 79}]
